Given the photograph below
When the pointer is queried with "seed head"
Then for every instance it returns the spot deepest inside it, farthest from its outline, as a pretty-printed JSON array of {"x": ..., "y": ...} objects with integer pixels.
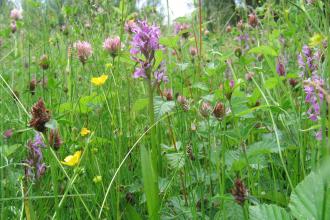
[
  {"x": 40, "y": 116},
  {"x": 239, "y": 192}
]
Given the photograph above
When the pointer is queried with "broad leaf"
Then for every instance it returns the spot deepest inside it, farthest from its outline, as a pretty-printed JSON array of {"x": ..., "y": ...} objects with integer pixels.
[
  {"x": 269, "y": 212},
  {"x": 308, "y": 199},
  {"x": 162, "y": 106}
]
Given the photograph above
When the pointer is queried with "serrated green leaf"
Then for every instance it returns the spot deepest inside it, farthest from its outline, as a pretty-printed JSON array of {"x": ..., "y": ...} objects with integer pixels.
[
  {"x": 162, "y": 106},
  {"x": 176, "y": 160}
]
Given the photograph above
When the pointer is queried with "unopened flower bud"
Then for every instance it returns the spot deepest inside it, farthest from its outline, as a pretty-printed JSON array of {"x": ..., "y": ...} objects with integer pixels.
[
  {"x": 55, "y": 139},
  {"x": 168, "y": 94},
  {"x": 205, "y": 109},
  {"x": 219, "y": 110},
  {"x": 240, "y": 25},
  {"x": 228, "y": 29},
  {"x": 253, "y": 20},
  {"x": 280, "y": 69},
  {"x": 13, "y": 27},
  {"x": 293, "y": 82},
  {"x": 44, "y": 62},
  {"x": 238, "y": 52},
  {"x": 8, "y": 133},
  {"x": 249, "y": 76},
  {"x": 33, "y": 85},
  {"x": 193, "y": 51}
]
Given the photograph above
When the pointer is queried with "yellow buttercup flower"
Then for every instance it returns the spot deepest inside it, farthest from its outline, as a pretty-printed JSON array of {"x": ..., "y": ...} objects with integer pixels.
[
  {"x": 84, "y": 132},
  {"x": 72, "y": 160},
  {"x": 97, "y": 179},
  {"x": 316, "y": 40},
  {"x": 99, "y": 81}
]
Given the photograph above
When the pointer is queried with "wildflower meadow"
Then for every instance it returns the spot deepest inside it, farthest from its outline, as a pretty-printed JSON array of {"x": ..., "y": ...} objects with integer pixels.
[{"x": 114, "y": 109}]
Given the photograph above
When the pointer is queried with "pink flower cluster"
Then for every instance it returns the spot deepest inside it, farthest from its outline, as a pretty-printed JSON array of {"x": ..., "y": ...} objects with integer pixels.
[
  {"x": 84, "y": 50},
  {"x": 112, "y": 45},
  {"x": 16, "y": 14}
]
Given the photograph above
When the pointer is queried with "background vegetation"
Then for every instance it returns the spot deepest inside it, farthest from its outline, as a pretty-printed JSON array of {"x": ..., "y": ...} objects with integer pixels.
[{"x": 239, "y": 131}]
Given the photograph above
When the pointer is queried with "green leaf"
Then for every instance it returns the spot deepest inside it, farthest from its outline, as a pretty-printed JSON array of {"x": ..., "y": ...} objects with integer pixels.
[
  {"x": 158, "y": 58},
  {"x": 201, "y": 86},
  {"x": 265, "y": 50},
  {"x": 231, "y": 211},
  {"x": 85, "y": 104},
  {"x": 140, "y": 104},
  {"x": 269, "y": 212},
  {"x": 308, "y": 199},
  {"x": 271, "y": 83},
  {"x": 131, "y": 213},
  {"x": 162, "y": 107},
  {"x": 170, "y": 41},
  {"x": 9, "y": 150},
  {"x": 150, "y": 184},
  {"x": 175, "y": 160}
]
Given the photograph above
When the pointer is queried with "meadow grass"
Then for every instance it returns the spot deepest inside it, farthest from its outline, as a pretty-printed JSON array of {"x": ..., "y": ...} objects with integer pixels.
[{"x": 236, "y": 128}]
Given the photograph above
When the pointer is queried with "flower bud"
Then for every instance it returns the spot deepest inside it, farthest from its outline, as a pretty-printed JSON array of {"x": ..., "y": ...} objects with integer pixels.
[
  {"x": 205, "y": 109},
  {"x": 168, "y": 94},
  {"x": 183, "y": 102},
  {"x": 55, "y": 139},
  {"x": 238, "y": 52},
  {"x": 13, "y": 27},
  {"x": 193, "y": 51},
  {"x": 280, "y": 69},
  {"x": 253, "y": 20},
  {"x": 8, "y": 133},
  {"x": 219, "y": 110},
  {"x": 228, "y": 29},
  {"x": 33, "y": 85},
  {"x": 293, "y": 82},
  {"x": 249, "y": 76},
  {"x": 240, "y": 25},
  {"x": 44, "y": 62}
]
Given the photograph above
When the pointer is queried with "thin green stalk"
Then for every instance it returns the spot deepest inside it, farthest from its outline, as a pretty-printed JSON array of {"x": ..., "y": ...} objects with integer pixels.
[{"x": 276, "y": 134}]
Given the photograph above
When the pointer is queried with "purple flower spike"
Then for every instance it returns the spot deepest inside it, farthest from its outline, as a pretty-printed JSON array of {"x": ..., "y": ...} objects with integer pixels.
[
  {"x": 146, "y": 42},
  {"x": 139, "y": 73},
  {"x": 34, "y": 160}
]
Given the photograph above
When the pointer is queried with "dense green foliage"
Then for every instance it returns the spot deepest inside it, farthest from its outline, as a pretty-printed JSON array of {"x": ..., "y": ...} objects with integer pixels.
[{"x": 234, "y": 134}]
